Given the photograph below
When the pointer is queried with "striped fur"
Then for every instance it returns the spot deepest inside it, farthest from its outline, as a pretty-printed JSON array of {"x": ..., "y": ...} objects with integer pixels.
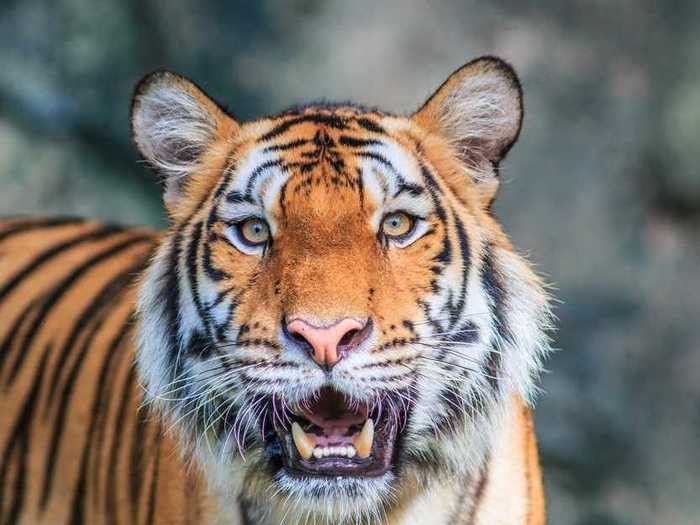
[{"x": 142, "y": 373}]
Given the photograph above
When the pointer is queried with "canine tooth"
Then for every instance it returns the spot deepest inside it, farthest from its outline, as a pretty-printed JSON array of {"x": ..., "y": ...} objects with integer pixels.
[
  {"x": 363, "y": 442},
  {"x": 304, "y": 443},
  {"x": 351, "y": 451},
  {"x": 318, "y": 452}
]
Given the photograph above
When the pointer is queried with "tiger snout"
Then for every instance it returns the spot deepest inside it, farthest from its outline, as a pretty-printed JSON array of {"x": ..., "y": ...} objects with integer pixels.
[{"x": 328, "y": 343}]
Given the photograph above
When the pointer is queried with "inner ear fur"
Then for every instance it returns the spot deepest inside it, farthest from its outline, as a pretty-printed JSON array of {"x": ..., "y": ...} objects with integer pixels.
[
  {"x": 175, "y": 125},
  {"x": 479, "y": 111}
]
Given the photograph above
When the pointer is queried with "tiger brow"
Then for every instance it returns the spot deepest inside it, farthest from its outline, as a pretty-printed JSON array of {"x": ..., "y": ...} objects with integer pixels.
[
  {"x": 236, "y": 197},
  {"x": 411, "y": 189}
]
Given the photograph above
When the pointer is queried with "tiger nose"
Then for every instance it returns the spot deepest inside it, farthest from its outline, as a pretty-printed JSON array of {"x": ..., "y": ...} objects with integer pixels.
[{"x": 329, "y": 344}]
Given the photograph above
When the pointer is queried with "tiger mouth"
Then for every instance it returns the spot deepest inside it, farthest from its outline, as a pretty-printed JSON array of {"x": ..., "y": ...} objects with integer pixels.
[{"x": 334, "y": 436}]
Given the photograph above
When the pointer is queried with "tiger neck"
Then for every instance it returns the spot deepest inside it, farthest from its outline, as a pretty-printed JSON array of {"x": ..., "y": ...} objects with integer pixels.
[{"x": 507, "y": 491}]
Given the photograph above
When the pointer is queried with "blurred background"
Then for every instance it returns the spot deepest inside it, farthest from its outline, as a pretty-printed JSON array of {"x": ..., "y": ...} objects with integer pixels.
[{"x": 602, "y": 191}]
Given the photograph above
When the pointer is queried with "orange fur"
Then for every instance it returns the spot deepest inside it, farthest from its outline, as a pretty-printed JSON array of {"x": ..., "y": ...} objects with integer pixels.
[{"x": 76, "y": 443}]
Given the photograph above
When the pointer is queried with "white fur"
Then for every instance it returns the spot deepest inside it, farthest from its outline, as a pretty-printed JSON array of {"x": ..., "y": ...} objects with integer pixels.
[
  {"x": 485, "y": 106},
  {"x": 171, "y": 127},
  {"x": 463, "y": 449}
]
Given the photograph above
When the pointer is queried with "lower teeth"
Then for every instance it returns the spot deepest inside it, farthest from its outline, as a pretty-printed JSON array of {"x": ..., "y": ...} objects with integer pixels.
[{"x": 344, "y": 451}]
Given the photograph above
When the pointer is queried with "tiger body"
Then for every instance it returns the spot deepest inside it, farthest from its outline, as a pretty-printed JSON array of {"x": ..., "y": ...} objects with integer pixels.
[
  {"x": 76, "y": 448},
  {"x": 195, "y": 376}
]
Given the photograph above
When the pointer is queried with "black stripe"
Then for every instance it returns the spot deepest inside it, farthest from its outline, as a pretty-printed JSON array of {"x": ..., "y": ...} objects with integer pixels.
[
  {"x": 214, "y": 273},
  {"x": 54, "y": 251},
  {"x": 411, "y": 189},
  {"x": 381, "y": 160},
  {"x": 370, "y": 125},
  {"x": 97, "y": 415},
  {"x": 236, "y": 197},
  {"x": 37, "y": 224},
  {"x": 494, "y": 288},
  {"x": 355, "y": 142},
  {"x": 28, "y": 270},
  {"x": 171, "y": 293},
  {"x": 445, "y": 255},
  {"x": 102, "y": 397},
  {"x": 361, "y": 188},
  {"x": 282, "y": 200},
  {"x": 303, "y": 167},
  {"x": 14, "y": 332},
  {"x": 191, "y": 262},
  {"x": 138, "y": 461},
  {"x": 259, "y": 170},
  {"x": 430, "y": 179},
  {"x": 171, "y": 290},
  {"x": 228, "y": 173},
  {"x": 286, "y": 146},
  {"x": 456, "y": 309},
  {"x": 61, "y": 289},
  {"x": 333, "y": 121},
  {"x": 95, "y": 314},
  {"x": 58, "y": 425},
  {"x": 99, "y": 300},
  {"x": 124, "y": 395},
  {"x": 20, "y": 437}
]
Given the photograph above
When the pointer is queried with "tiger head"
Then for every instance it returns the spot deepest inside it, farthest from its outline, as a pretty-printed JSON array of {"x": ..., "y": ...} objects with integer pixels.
[{"x": 335, "y": 319}]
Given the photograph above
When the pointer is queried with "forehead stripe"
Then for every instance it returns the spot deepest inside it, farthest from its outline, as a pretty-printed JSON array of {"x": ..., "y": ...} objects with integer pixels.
[
  {"x": 355, "y": 142},
  {"x": 380, "y": 159},
  {"x": 370, "y": 125},
  {"x": 257, "y": 172},
  {"x": 236, "y": 197},
  {"x": 411, "y": 189},
  {"x": 332, "y": 121},
  {"x": 286, "y": 146},
  {"x": 384, "y": 162}
]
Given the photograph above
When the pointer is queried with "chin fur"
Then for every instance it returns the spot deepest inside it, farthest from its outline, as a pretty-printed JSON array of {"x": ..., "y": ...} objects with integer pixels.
[{"x": 342, "y": 500}]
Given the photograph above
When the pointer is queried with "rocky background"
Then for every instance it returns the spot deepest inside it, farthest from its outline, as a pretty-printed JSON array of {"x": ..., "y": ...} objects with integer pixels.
[{"x": 602, "y": 192}]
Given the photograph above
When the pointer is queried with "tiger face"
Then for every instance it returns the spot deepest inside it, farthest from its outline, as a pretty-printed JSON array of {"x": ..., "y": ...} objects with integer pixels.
[{"x": 335, "y": 320}]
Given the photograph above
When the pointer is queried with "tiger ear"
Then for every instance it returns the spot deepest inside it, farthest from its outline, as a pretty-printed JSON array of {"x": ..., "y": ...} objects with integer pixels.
[
  {"x": 479, "y": 110},
  {"x": 174, "y": 124}
]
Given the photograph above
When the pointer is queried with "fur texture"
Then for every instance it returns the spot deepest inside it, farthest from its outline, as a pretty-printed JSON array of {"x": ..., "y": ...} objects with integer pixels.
[{"x": 459, "y": 319}]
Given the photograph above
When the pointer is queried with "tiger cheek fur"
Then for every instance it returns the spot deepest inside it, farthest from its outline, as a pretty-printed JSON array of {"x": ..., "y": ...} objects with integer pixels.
[{"x": 334, "y": 328}]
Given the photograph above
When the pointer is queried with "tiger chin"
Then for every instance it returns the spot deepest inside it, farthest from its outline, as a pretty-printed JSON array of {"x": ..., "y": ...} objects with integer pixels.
[{"x": 334, "y": 328}]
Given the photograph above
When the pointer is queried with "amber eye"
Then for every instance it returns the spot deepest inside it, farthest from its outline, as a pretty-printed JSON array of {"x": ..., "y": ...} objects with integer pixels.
[
  {"x": 254, "y": 232},
  {"x": 397, "y": 224}
]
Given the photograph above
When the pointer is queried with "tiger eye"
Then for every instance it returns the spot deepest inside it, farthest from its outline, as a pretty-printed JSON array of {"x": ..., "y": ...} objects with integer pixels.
[
  {"x": 397, "y": 224},
  {"x": 254, "y": 231}
]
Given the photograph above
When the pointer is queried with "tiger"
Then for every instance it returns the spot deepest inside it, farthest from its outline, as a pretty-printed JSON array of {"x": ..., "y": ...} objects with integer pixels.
[{"x": 333, "y": 328}]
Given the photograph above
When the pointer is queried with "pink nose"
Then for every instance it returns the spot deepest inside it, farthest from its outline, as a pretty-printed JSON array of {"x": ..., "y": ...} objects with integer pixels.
[{"x": 331, "y": 343}]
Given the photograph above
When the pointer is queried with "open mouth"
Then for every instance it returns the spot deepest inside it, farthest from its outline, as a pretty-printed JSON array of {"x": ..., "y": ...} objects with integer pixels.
[{"x": 332, "y": 436}]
